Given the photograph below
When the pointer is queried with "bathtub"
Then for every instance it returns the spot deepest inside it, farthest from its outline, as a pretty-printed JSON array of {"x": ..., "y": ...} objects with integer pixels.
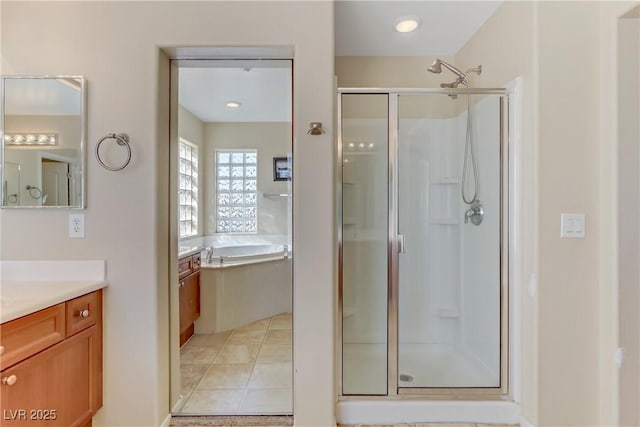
[
  {"x": 248, "y": 278},
  {"x": 235, "y": 256}
]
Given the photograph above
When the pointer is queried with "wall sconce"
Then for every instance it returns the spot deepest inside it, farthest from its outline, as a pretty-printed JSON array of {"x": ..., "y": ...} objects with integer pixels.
[{"x": 30, "y": 139}]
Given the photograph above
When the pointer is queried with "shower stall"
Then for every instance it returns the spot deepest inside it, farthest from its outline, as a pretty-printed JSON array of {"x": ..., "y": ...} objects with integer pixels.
[{"x": 423, "y": 274}]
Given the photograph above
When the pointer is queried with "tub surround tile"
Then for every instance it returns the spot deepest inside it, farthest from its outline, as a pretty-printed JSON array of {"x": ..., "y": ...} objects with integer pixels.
[{"x": 226, "y": 376}]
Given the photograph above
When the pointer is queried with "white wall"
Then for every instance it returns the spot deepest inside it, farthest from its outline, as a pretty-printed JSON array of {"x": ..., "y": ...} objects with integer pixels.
[
  {"x": 271, "y": 139},
  {"x": 115, "y": 45}
]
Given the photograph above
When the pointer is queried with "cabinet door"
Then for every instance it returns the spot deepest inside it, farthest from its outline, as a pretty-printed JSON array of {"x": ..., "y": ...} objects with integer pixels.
[
  {"x": 57, "y": 387},
  {"x": 193, "y": 295},
  {"x": 189, "y": 305}
]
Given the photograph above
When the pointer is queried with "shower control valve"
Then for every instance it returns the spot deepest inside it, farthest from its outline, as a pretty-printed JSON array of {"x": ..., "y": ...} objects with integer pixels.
[{"x": 475, "y": 213}]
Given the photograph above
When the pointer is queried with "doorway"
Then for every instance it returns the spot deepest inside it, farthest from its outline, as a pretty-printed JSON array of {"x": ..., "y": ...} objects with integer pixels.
[{"x": 232, "y": 156}]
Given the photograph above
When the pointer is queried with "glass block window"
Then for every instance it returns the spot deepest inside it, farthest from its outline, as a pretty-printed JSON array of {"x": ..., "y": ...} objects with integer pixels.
[
  {"x": 236, "y": 191},
  {"x": 187, "y": 189}
]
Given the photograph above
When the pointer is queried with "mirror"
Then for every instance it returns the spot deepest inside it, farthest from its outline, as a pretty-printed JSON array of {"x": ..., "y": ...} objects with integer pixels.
[{"x": 43, "y": 132}]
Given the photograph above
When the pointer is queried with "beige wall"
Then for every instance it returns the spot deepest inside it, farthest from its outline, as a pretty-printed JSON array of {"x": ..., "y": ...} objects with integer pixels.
[
  {"x": 629, "y": 214},
  {"x": 115, "y": 45},
  {"x": 271, "y": 139},
  {"x": 192, "y": 129}
]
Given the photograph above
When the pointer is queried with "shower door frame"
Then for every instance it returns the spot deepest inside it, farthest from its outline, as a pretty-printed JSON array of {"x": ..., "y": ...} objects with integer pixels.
[{"x": 393, "y": 249}]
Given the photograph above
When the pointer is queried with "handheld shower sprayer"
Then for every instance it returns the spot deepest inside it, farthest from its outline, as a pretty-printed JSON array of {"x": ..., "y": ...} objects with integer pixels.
[{"x": 475, "y": 212}]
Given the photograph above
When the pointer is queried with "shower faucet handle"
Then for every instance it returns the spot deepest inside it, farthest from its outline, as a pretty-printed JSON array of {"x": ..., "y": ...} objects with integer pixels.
[
  {"x": 401, "y": 243},
  {"x": 475, "y": 213}
]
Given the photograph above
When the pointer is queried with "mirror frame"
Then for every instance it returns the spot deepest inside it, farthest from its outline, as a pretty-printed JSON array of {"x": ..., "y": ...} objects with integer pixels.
[{"x": 82, "y": 158}]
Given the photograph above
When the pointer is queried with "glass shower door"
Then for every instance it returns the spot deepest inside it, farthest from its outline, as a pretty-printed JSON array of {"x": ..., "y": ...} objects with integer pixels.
[
  {"x": 364, "y": 260},
  {"x": 449, "y": 272}
]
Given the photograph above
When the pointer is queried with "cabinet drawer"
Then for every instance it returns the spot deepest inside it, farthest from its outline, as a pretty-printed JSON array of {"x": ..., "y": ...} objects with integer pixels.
[
  {"x": 184, "y": 267},
  {"x": 195, "y": 262},
  {"x": 25, "y": 336},
  {"x": 83, "y": 312}
]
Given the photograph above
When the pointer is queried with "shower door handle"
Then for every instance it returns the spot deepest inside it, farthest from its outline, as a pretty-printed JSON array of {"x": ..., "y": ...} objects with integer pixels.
[{"x": 401, "y": 243}]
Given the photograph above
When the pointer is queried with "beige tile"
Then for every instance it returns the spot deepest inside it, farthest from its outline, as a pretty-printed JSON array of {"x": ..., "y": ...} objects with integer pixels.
[
  {"x": 237, "y": 353},
  {"x": 272, "y": 375},
  {"x": 281, "y": 321},
  {"x": 208, "y": 401},
  {"x": 268, "y": 400},
  {"x": 206, "y": 340},
  {"x": 275, "y": 353},
  {"x": 247, "y": 337},
  {"x": 278, "y": 337},
  {"x": 193, "y": 354},
  {"x": 257, "y": 325},
  {"x": 191, "y": 374},
  {"x": 226, "y": 376}
]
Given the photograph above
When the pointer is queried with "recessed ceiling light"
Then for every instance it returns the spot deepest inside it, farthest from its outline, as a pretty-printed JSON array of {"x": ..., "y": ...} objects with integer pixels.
[
  {"x": 407, "y": 25},
  {"x": 233, "y": 104}
]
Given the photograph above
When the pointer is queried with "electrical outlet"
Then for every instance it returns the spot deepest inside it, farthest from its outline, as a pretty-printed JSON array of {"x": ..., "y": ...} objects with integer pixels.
[{"x": 76, "y": 225}]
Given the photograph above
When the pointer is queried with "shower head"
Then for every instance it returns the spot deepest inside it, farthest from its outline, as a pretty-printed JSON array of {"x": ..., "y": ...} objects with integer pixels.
[
  {"x": 451, "y": 85},
  {"x": 436, "y": 68}
]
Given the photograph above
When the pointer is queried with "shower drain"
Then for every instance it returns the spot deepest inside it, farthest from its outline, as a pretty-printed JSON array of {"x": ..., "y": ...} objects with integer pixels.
[{"x": 406, "y": 378}]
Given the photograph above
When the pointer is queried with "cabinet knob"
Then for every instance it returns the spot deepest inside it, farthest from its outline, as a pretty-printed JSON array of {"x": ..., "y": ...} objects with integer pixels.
[
  {"x": 10, "y": 380},
  {"x": 84, "y": 313},
  {"x": 1, "y": 349},
  {"x": 181, "y": 284}
]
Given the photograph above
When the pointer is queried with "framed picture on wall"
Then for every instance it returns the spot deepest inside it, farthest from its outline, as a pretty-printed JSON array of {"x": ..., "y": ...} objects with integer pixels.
[{"x": 281, "y": 169}]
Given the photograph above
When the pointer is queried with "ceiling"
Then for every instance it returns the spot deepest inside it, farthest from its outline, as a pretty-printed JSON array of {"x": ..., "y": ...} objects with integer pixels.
[
  {"x": 42, "y": 97},
  {"x": 363, "y": 28},
  {"x": 264, "y": 94},
  {"x": 366, "y": 28}
]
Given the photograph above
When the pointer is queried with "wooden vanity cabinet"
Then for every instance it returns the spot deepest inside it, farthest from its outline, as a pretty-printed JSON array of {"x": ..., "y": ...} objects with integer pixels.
[
  {"x": 189, "y": 294},
  {"x": 61, "y": 385}
]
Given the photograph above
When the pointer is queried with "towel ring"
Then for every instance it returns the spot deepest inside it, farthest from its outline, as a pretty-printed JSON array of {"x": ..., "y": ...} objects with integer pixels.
[{"x": 122, "y": 139}]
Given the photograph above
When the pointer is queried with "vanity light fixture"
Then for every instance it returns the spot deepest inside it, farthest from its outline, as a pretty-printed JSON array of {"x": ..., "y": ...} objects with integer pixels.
[
  {"x": 407, "y": 24},
  {"x": 233, "y": 104},
  {"x": 30, "y": 139}
]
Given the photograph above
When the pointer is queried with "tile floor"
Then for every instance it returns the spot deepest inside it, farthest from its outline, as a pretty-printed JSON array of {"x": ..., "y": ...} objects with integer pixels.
[{"x": 244, "y": 371}]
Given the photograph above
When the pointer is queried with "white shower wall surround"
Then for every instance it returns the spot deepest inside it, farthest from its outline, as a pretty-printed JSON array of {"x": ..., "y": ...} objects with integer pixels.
[{"x": 446, "y": 280}]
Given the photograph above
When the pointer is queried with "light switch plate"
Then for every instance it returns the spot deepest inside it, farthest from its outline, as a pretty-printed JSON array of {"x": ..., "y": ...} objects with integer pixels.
[{"x": 572, "y": 225}]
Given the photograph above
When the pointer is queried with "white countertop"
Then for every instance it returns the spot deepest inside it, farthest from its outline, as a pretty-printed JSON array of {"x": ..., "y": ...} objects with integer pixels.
[
  {"x": 19, "y": 298},
  {"x": 30, "y": 286}
]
